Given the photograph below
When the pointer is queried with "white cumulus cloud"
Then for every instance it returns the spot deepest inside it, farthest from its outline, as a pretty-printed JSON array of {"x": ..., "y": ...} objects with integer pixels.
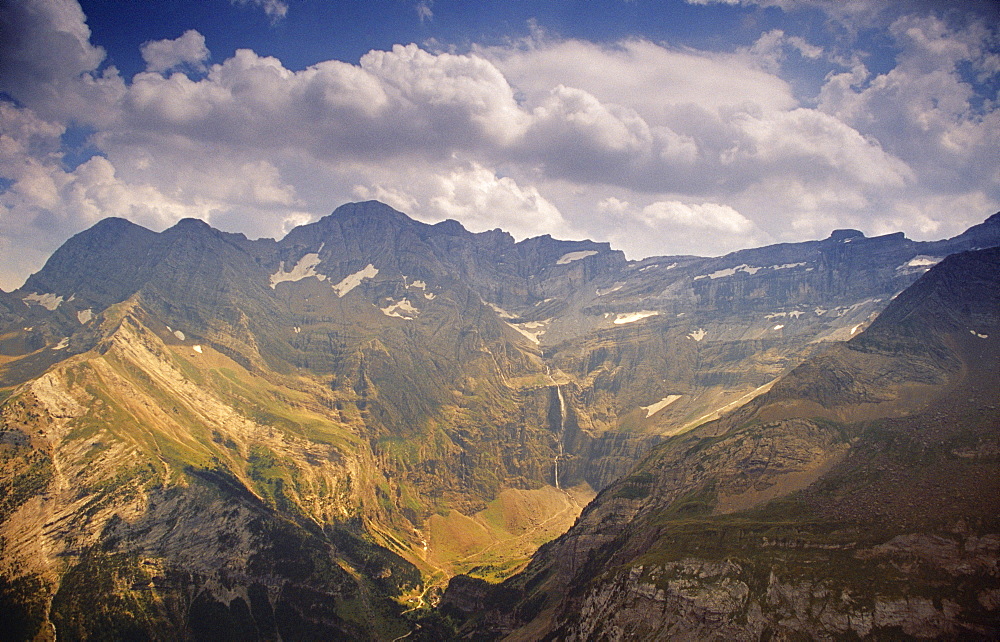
[
  {"x": 187, "y": 50},
  {"x": 658, "y": 149}
]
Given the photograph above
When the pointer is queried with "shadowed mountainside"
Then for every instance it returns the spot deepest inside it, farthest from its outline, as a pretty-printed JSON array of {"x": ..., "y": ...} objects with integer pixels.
[{"x": 858, "y": 497}]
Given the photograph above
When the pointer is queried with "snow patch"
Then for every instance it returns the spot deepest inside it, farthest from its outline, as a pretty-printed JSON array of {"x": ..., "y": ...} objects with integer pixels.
[
  {"x": 632, "y": 317},
  {"x": 197, "y": 349},
  {"x": 698, "y": 334},
  {"x": 654, "y": 265},
  {"x": 855, "y": 329},
  {"x": 305, "y": 268},
  {"x": 48, "y": 301},
  {"x": 569, "y": 257},
  {"x": 820, "y": 311},
  {"x": 354, "y": 280},
  {"x": 401, "y": 310},
  {"x": 84, "y": 316},
  {"x": 179, "y": 334},
  {"x": 532, "y": 330},
  {"x": 296, "y": 329},
  {"x": 920, "y": 263},
  {"x": 718, "y": 274},
  {"x": 617, "y": 286},
  {"x": 659, "y": 405},
  {"x": 62, "y": 345},
  {"x": 981, "y": 336},
  {"x": 924, "y": 261},
  {"x": 778, "y": 327},
  {"x": 503, "y": 314}
]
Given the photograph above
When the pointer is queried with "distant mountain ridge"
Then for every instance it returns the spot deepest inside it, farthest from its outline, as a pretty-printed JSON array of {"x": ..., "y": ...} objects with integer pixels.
[
  {"x": 858, "y": 497},
  {"x": 402, "y": 401}
]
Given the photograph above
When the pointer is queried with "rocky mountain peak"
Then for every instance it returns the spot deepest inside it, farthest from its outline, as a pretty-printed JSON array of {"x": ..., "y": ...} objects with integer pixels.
[
  {"x": 189, "y": 223},
  {"x": 450, "y": 227},
  {"x": 842, "y": 235}
]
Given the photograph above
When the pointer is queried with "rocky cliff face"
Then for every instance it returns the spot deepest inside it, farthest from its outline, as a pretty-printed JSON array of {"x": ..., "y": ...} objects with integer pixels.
[
  {"x": 858, "y": 497},
  {"x": 400, "y": 401}
]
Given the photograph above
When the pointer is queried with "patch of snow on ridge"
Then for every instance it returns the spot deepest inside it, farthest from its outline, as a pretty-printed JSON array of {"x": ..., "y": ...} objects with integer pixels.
[
  {"x": 421, "y": 285},
  {"x": 718, "y": 274},
  {"x": 569, "y": 257},
  {"x": 83, "y": 316},
  {"x": 503, "y": 314},
  {"x": 197, "y": 349},
  {"x": 62, "y": 345},
  {"x": 924, "y": 261},
  {"x": 778, "y": 327},
  {"x": 981, "y": 336},
  {"x": 920, "y": 263},
  {"x": 794, "y": 314},
  {"x": 48, "y": 301},
  {"x": 305, "y": 268},
  {"x": 652, "y": 409},
  {"x": 617, "y": 286},
  {"x": 632, "y": 317},
  {"x": 698, "y": 334},
  {"x": 401, "y": 310},
  {"x": 532, "y": 330},
  {"x": 179, "y": 334},
  {"x": 354, "y": 280}
]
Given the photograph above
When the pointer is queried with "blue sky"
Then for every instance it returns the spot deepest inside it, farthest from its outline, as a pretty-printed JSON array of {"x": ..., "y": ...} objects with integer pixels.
[{"x": 668, "y": 127}]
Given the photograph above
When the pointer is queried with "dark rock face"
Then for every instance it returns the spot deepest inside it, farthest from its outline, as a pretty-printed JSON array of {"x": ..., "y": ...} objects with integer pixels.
[
  {"x": 367, "y": 383},
  {"x": 858, "y": 497}
]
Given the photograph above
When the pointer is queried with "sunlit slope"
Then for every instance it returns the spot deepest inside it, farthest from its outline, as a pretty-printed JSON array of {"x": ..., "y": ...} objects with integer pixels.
[{"x": 185, "y": 493}]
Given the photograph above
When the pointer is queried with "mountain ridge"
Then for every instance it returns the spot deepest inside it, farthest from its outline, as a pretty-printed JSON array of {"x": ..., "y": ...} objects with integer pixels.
[
  {"x": 776, "y": 519},
  {"x": 411, "y": 401}
]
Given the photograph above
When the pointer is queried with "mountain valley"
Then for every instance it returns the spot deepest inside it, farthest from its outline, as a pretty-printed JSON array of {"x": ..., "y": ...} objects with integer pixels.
[{"x": 206, "y": 436}]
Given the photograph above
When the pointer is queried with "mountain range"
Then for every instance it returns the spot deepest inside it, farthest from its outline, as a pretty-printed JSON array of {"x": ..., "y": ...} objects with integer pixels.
[
  {"x": 857, "y": 498},
  {"x": 208, "y": 436}
]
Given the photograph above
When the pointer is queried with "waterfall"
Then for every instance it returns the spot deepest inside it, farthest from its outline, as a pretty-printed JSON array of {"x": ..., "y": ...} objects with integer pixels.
[{"x": 562, "y": 426}]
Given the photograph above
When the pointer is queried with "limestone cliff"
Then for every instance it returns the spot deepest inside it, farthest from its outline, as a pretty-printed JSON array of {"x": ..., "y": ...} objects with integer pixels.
[{"x": 857, "y": 498}]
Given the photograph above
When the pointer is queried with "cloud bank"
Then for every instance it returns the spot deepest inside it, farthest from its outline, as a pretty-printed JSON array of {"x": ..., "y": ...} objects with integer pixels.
[{"x": 660, "y": 150}]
